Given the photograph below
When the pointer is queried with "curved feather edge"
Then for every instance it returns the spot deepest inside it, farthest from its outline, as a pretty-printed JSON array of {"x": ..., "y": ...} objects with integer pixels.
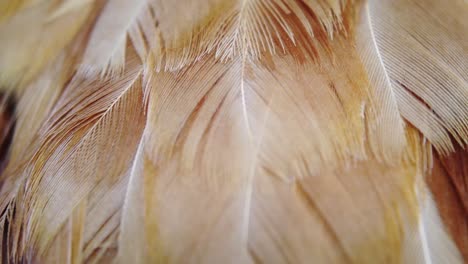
[
  {"x": 386, "y": 112},
  {"x": 105, "y": 52},
  {"x": 422, "y": 46},
  {"x": 96, "y": 118}
]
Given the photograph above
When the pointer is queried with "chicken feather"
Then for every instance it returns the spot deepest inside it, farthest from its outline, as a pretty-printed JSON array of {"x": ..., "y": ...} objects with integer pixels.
[{"x": 247, "y": 131}]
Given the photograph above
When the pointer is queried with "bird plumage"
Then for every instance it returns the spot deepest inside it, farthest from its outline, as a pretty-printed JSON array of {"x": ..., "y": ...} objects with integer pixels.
[{"x": 247, "y": 131}]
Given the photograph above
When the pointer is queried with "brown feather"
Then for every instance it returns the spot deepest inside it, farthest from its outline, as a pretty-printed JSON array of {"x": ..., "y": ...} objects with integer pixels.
[
  {"x": 247, "y": 131},
  {"x": 448, "y": 183}
]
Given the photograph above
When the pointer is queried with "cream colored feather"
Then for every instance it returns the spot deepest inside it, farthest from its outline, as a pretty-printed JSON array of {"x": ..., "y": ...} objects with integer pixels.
[{"x": 220, "y": 131}]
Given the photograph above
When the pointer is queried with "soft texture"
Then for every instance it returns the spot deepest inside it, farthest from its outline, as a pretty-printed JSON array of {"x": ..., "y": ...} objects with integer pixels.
[{"x": 220, "y": 131}]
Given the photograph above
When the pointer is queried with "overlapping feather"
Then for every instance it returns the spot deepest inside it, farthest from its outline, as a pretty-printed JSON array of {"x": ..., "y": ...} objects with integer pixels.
[{"x": 230, "y": 131}]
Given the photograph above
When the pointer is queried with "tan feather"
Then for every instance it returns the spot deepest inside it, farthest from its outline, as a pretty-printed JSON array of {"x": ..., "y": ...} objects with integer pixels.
[
  {"x": 216, "y": 131},
  {"x": 34, "y": 37},
  {"x": 424, "y": 48}
]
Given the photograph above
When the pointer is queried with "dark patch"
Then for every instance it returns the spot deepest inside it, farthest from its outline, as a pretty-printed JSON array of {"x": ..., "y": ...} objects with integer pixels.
[
  {"x": 7, "y": 127},
  {"x": 448, "y": 182},
  {"x": 254, "y": 257}
]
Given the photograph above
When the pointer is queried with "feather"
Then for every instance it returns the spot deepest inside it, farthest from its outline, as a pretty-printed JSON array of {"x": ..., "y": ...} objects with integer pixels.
[
  {"x": 388, "y": 113},
  {"x": 36, "y": 99},
  {"x": 10, "y": 7},
  {"x": 95, "y": 113},
  {"x": 230, "y": 105},
  {"x": 247, "y": 131},
  {"x": 109, "y": 53},
  {"x": 449, "y": 186},
  {"x": 226, "y": 27},
  {"x": 31, "y": 40},
  {"x": 436, "y": 242},
  {"x": 424, "y": 51}
]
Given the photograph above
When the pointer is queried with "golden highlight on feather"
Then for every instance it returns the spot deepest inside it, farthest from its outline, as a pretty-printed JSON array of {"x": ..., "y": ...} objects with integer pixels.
[
  {"x": 31, "y": 40},
  {"x": 11, "y": 7}
]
